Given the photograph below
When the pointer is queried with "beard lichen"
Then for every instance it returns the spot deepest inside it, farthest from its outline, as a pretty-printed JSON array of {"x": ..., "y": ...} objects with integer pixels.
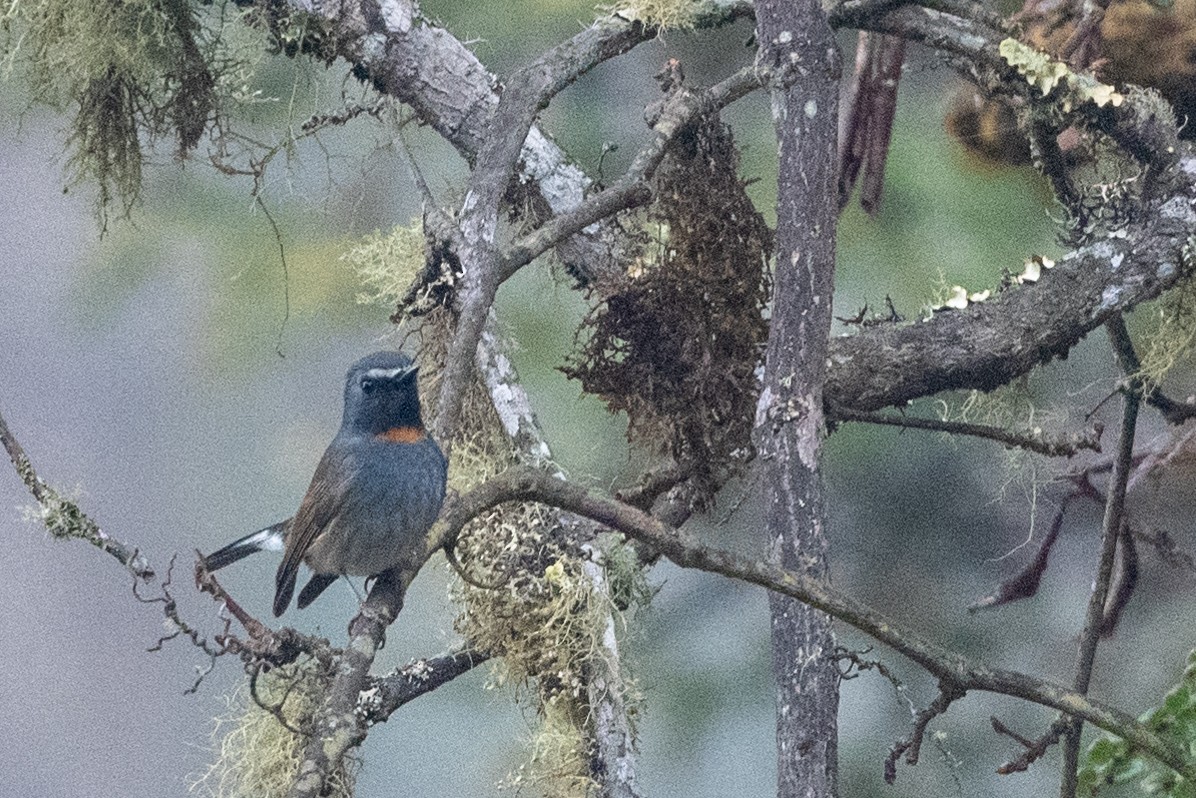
[
  {"x": 530, "y": 604},
  {"x": 387, "y": 265},
  {"x": 411, "y": 272},
  {"x": 130, "y": 68},
  {"x": 255, "y": 753},
  {"x": 674, "y": 340},
  {"x": 542, "y": 614}
]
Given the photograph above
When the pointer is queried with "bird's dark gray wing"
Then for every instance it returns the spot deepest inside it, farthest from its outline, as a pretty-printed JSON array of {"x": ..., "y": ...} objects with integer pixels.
[{"x": 321, "y": 504}]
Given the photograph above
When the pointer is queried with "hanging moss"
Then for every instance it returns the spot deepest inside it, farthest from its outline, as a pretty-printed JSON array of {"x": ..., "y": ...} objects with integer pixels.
[
  {"x": 132, "y": 69},
  {"x": 1170, "y": 339},
  {"x": 136, "y": 72}
]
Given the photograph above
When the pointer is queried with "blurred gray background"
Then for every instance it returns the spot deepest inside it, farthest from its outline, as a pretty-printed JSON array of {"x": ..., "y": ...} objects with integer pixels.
[{"x": 139, "y": 370}]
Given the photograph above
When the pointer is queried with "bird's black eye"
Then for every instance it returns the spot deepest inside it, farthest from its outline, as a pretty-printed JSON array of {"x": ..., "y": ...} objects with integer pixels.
[{"x": 368, "y": 386}]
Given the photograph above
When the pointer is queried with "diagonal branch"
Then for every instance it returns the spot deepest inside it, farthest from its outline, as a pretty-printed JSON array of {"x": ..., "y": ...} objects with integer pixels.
[
  {"x": 404, "y": 55},
  {"x": 340, "y": 725},
  {"x": 632, "y": 190},
  {"x": 403, "y": 685},
  {"x": 522, "y": 484},
  {"x": 987, "y": 345}
]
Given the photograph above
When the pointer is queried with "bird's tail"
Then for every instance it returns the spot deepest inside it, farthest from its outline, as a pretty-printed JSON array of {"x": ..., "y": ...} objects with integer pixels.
[{"x": 272, "y": 538}]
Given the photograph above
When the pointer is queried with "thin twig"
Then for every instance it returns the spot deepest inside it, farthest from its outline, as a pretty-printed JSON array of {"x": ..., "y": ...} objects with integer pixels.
[
  {"x": 286, "y": 273},
  {"x": 178, "y": 627},
  {"x": 911, "y": 746},
  {"x": 1110, "y": 532},
  {"x": 1172, "y": 411},
  {"x": 1034, "y": 748},
  {"x": 1036, "y": 441},
  {"x": 275, "y": 709},
  {"x": 1125, "y": 582},
  {"x": 1045, "y": 139}
]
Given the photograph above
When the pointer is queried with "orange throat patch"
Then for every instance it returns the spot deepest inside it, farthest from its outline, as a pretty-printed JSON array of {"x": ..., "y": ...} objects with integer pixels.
[{"x": 403, "y": 435}]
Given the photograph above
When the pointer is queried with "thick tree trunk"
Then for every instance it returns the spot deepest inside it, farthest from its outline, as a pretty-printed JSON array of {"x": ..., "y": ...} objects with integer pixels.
[{"x": 797, "y": 44}]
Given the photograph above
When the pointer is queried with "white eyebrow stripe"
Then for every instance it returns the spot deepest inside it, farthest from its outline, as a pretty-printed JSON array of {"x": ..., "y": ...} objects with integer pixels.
[{"x": 384, "y": 374}]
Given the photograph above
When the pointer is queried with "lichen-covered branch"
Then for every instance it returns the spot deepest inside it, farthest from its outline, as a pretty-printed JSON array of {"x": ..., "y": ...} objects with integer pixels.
[
  {"x": 386, "y": 694},
  {"x": 65, "y": 519},
  {"x": 989, "y": 344},
  {"x": 1035, "y": 440},
  {"x": 419, "y": 63},
  {"x": 612, "y": 764},
  {"x": 339, "y": 725}
]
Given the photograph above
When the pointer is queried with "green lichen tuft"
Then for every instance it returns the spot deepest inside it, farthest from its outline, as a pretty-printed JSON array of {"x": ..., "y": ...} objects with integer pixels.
[
  {"x": 542, "y": 615},
  {"x": 1172, "y": 337},
  {"x": 558, "y": 765},
  {"x": 627, "y": 581},
  {"x": 387, "y": 265},
  {"x": 530, "y": 598},
  {"x": 1012, "y": 407},
  {"x": 61, "y": 517}
]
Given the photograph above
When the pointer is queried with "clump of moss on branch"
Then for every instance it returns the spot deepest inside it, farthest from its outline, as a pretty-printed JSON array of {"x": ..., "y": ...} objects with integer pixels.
[
  {"x": 663, "y": 15},
  {"x": 528, "y": 601},
  {"x": 674, "y": 341}
]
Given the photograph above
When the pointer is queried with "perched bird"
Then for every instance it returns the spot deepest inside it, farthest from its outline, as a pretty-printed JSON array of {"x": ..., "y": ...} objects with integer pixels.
[{"x": 375, "y": 493}]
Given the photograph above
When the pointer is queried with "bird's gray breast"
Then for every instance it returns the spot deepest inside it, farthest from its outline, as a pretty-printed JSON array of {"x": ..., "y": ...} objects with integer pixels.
[{"x": 389, "y": 505}]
